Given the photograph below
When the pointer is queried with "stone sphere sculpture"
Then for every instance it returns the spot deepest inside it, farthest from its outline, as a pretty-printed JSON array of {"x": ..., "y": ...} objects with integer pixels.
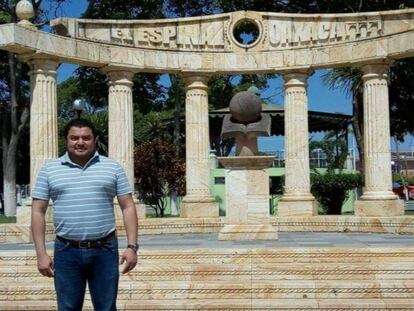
[
  {"x": 245, "y": 122},
  {"x": 24, "y": 10},
  {"x": 245, "y": 107}
]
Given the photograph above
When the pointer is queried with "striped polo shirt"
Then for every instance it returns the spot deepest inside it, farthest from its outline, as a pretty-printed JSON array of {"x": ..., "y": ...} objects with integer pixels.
[{"x": 82, "y": 196}]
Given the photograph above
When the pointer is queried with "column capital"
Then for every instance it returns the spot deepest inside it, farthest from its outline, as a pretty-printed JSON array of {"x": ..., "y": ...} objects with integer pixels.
[
  {"x": 375, "y": 70},
  {"x": 195, "y": 81},
  {"x": 119, "y": 76},
  {"x": 297, "y": 78},
  {"x": 40, "y": 63}
]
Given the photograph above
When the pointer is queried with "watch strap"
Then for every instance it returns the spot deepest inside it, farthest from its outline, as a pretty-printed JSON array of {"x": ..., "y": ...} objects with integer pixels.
[{"x": 134, "y": 247}]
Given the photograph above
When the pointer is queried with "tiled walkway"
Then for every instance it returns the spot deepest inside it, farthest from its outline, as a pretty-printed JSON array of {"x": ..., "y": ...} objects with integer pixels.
[{"x": 286, "y": 239}]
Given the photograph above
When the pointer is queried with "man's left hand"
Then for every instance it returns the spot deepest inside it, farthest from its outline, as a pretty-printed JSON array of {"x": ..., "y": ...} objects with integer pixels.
[{"x": 130, "y": 259}]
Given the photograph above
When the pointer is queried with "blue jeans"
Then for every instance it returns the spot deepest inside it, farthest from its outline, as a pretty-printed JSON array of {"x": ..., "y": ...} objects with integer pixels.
[{"x": 74, "y": 267}]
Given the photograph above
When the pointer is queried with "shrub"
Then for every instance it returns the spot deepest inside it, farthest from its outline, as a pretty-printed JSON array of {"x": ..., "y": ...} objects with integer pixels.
[
  {"x": 408, "y": 180},
  {"x": 159, "y": 173},
  {"x": 331, "y": 189}
]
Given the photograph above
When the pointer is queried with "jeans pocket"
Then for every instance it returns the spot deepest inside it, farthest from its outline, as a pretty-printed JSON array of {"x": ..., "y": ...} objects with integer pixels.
[
  {"x": 60, "y": 246},
  {"x": 111, "y": 246}
]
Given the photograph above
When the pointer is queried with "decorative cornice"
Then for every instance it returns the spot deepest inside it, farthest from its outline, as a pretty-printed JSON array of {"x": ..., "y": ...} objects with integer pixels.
[{"x": 265, "y": 57}]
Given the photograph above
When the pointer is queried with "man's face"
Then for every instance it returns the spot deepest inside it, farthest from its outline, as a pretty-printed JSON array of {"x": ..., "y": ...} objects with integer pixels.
[{"x": 80, "y": 143}]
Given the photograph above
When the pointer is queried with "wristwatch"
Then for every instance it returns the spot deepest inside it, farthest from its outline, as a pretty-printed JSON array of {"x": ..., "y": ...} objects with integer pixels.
[{"x": 134, "y": 247}]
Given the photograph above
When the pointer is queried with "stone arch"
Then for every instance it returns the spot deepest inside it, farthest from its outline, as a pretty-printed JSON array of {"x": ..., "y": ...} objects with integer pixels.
[{"x": 291, "y": 44}]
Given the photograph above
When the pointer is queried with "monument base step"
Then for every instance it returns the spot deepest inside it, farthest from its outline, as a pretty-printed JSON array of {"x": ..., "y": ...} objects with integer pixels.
[
  {"x": 239, "y": 232},
  {"x": 235, "y": 305},
  {"x": 376, "y": 208},
  {"x": 297, "y": 208},
  {"x": 14, "y": 233},
  {"x": 276, "y": 278}
]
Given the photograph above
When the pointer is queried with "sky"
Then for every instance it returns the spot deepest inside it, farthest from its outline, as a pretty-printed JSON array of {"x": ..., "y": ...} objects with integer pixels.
[{"x": 320, "y": 97}]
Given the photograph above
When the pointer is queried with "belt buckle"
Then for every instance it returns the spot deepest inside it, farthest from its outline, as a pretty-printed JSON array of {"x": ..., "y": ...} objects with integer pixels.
[{"x": 84, "y": 244}]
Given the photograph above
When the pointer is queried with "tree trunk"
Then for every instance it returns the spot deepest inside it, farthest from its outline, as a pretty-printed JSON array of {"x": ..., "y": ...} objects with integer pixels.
[
  {"x": 174, "y": 203},
  {"x": 10, "y": 140},
  {"x": 177, "y": 113},
  {"x": 10, "y": 146},
  {"x": 156, "y": 210},
  {"x": 5, "y": 134},
  {"x": 9, "y": 181}
]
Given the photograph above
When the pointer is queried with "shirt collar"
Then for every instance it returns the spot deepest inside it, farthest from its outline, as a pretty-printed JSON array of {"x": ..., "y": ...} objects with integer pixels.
[{"x": 65, "y": 159}]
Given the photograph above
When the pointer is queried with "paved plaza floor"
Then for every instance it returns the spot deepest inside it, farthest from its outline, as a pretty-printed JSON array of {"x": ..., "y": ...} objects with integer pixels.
[{"x": 286, "y": 239}]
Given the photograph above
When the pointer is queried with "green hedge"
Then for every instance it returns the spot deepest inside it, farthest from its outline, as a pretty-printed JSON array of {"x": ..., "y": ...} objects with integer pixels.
[{"x": 331, "y": 190}]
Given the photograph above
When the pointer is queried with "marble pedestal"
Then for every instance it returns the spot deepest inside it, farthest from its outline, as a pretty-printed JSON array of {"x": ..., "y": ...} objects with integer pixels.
[
  {"x": 199, "y": 207},
  {"x": 247, "y": 199},
  {"x": 297, "y": 208},
  {"x": 379, "y": 208}
]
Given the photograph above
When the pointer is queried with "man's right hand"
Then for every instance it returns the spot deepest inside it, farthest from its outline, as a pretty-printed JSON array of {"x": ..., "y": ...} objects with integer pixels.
[{"x": 45, "y": 265}]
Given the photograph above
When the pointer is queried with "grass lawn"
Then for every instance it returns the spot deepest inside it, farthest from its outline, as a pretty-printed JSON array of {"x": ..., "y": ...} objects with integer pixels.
[{"x": 7, "y": 220}]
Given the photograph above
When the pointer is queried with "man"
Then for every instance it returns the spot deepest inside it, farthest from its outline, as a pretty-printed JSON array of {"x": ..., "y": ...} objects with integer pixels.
[{"x": 82, "y": 185}]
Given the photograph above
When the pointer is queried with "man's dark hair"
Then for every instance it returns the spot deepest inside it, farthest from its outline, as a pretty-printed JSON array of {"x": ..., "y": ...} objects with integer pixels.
[{"x": 80, "y": 123}]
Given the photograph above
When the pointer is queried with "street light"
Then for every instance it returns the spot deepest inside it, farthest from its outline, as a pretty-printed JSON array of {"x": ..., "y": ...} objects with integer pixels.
[{"x": 79, "y": 106}]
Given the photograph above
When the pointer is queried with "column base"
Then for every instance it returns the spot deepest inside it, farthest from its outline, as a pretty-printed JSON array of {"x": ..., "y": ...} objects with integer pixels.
[
  {"x": 24, "y": 213},
  {"x": 141, "y": 209},
  {"x": 379, "y": 208},
  {"x": 297, "y": 208},
  {"x": 14, "y": 233},
  {"x": 378, "y": 195},
  {"x": 139, "y": 206},
  {"x": 202, "y": 207},
  {"x": 238, "y": 232}
]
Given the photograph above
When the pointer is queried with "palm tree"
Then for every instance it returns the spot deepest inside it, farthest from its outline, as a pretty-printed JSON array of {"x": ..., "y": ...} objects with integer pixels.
[{"x": 349, "y": 80}]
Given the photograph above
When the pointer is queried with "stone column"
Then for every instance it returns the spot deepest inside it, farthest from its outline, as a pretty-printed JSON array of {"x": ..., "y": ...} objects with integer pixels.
[
  {"x": 198, "y": 201},
  {"x": 120, "y": 121},
  {"x": 43, "y": 127},
  {"x": 121, "y": 127},
  {"x": 43, "y": 115},
  {"x": 297, "y": 199},
  {"x": 378, "y": 198}
]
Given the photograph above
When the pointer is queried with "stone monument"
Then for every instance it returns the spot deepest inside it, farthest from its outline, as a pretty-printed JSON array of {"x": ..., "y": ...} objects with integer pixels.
[
  {"x": 292, "y": 45},
  {"x": 247, "y": 176},
  {"x": 245, "y": 122}
]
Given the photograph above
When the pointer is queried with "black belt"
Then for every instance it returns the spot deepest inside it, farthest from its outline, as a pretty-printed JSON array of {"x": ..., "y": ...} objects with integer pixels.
[{"x": 89, "y": 243}]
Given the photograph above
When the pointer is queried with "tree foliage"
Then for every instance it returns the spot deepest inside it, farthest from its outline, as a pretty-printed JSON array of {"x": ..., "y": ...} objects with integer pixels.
[
  {"x": 402, "y": 98},
  {"x": 126, "y": 9},
  {"x": 92, "y": 84},
  {"x": 350, "y": 79},
  {"x": 14, "y": 110},
  {"x": 331, "y": 188},
  {"x": 335, "y": 148},
  {"x": 159, "y": 173}
]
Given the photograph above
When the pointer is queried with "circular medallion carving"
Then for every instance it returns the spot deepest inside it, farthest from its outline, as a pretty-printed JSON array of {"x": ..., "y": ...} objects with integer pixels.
[{"x": 246, "y": 32}]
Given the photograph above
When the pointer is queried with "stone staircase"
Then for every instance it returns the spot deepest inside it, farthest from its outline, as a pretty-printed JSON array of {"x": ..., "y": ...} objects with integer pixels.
[{"x": 237, "y": 279}]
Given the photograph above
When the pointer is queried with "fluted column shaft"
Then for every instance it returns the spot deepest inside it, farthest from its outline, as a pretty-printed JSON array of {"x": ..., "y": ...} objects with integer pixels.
[
  {"x": 378, "y": 178},
  {"x": 297, "y": 200},
  {"x": 197, "y": 137},
  {"x": 120, "y": 121},
  {"x": 297, "y": 178},
  {"x": 43, "y": 115},
  {"x": 198, "y": 201}
]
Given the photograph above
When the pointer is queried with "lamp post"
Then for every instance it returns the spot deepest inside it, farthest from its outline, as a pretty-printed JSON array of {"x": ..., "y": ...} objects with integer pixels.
[{"x": 79, "y": 106}]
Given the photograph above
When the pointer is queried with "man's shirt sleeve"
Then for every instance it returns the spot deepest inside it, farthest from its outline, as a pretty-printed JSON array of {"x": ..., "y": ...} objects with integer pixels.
[
  {"x": 41, "y": 189},
  {"x": 122, "y": 183}
]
